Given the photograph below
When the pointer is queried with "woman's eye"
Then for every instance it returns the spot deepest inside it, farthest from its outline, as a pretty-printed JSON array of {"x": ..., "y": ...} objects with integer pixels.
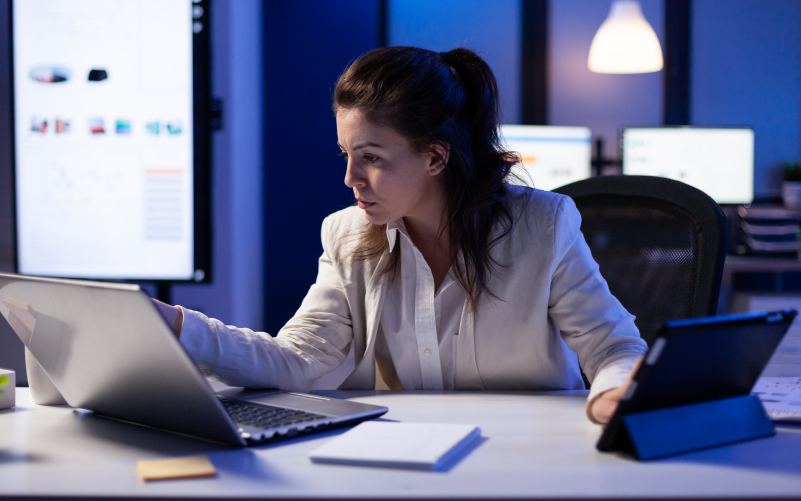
[{"x": 367, "y": 158}]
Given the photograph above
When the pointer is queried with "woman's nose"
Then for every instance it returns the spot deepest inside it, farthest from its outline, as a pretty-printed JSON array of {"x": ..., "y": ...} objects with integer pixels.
[{"x": 354, "y": 178}]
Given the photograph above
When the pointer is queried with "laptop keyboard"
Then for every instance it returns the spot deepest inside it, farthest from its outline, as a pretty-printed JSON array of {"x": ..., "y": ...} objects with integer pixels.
[{"x": 266, "y": 416}]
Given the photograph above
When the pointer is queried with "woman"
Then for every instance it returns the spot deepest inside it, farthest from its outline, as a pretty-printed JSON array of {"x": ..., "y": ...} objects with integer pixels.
[{"x": 442, "y": 276}]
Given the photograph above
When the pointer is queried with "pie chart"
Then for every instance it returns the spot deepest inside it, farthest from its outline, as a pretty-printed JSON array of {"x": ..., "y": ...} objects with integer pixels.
[{"x": 50, "y": 74}]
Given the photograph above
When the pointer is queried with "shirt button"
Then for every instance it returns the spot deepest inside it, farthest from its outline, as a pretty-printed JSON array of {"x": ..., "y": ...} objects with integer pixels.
[{"x": 427, "y": 352}]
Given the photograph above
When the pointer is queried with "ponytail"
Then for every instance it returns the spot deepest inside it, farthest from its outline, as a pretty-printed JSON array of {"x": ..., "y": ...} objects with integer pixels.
[
  {"x": 451, "y": 99},
  {"x": 482, "y": 109},
  {"x": 480, "y": 88}
]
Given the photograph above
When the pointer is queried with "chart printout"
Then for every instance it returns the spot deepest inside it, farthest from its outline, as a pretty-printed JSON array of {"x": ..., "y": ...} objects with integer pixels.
[
  {"x": 551, "y": 156},
  {"x": 779, "y": 385},
  {"x": 719, "y": 162},
  {"x": 103, "y": 138}
]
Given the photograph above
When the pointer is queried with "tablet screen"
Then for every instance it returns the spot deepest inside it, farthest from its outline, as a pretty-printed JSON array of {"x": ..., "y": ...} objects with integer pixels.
[{"x": 704, "y": 359}]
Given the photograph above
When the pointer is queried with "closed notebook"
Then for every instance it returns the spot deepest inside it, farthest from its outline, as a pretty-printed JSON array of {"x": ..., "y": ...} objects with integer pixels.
[{"x": 424, "y": 446}]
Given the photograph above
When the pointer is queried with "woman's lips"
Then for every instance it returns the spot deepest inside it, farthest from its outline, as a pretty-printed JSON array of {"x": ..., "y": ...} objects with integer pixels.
[{"x": 365, "y": 205}]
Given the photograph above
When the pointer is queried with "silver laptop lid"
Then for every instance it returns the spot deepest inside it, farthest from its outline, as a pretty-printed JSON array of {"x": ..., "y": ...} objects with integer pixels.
[{"x": 107, "y": 349}]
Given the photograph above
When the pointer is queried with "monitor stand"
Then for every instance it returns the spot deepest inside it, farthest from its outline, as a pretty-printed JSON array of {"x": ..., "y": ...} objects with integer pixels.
[{"x": 163, "y": 291}]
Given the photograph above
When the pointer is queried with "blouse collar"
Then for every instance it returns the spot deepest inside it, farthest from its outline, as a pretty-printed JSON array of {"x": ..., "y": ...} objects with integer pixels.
[{"x": 393, "y": 229}]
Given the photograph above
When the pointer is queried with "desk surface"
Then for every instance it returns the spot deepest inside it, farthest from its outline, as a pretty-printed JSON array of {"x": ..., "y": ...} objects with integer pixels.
[{"x": 535, "y": 445}]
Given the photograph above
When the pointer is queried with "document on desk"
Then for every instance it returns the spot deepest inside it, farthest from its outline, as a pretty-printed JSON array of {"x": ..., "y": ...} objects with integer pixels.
[
  {"x": 779, "y": 386},
  {"x": 423, "y": 446},
  {"x": 781, "y": 397}
]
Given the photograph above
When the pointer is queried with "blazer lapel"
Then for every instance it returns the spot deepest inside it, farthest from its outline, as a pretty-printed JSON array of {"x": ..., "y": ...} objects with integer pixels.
[
  {"x": 467, "y": 376},
  {"x": 363, "y": 376}
]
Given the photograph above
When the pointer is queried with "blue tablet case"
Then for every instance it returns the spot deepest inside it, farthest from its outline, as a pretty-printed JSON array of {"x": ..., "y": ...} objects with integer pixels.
[{"x": 693, "y": 389}]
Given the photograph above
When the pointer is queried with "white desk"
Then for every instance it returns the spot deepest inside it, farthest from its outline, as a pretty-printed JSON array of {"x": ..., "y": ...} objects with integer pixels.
[{"x": 536, "y": 445}]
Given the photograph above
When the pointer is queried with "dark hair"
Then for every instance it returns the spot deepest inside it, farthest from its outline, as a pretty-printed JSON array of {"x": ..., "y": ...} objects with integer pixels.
[{"x": 450, "y": 99}]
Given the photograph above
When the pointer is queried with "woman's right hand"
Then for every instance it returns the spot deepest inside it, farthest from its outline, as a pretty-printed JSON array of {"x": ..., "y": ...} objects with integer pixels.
[
  {"x": 174, "y": 316},
  {"x": 604, "y": 405}
]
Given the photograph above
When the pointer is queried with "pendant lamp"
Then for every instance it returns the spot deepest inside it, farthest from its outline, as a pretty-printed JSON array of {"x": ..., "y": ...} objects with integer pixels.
[{"x": 625, "y": 42}]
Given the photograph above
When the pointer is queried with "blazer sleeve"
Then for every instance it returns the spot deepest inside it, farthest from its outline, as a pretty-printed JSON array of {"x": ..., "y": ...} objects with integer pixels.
[
  {"x": 591, "y": 320},
  {"x": 314, "y": 342}
]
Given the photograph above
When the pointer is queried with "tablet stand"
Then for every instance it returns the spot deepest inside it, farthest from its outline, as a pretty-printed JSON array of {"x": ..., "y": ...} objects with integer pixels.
[{"x": 665, "y": 432}]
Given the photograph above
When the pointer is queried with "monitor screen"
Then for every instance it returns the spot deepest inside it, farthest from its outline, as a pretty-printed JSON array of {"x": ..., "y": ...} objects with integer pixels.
[
  {"x": 552, "y": 156},
  {"x": 717, "y": 161},
  {"x": 103, "y": 107}
]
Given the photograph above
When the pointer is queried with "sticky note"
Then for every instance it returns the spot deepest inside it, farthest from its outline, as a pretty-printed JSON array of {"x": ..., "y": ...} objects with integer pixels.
[{"x": 185, "y": 467}]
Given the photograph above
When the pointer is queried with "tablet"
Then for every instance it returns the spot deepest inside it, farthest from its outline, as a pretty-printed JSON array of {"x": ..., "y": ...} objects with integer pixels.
[{"x": 701, "y": 360}]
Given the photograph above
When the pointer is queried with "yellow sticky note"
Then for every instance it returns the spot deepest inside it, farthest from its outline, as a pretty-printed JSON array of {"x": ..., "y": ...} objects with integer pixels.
[{"x": 186, "y": 467}]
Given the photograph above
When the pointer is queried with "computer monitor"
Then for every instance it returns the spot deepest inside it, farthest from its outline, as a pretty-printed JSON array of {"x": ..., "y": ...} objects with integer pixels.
[
  {"x": 552, "y": 156},
  {"x": 111, "y": 135},
  {"x": 717, "y": 161}
]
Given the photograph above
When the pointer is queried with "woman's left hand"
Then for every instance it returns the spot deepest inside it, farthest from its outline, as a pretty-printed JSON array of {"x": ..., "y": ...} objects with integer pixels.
[
  {"x": 173, "y": 315},
  {"x": 604, "y": 405}
]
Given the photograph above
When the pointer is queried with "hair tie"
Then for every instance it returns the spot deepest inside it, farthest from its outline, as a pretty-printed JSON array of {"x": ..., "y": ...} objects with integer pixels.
[{"x": 445, "y": 58}]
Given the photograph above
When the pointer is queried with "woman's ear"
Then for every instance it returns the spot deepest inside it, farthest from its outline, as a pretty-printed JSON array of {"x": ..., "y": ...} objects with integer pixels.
[{"x": 439, "y": 158}]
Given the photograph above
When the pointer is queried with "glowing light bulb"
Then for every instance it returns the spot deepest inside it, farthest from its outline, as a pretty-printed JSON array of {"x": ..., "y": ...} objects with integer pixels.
[{"x": 625, "y": 42}]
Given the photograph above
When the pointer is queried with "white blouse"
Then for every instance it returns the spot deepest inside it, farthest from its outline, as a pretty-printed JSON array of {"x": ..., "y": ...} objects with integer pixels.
[{"x": 416, "y": 347}]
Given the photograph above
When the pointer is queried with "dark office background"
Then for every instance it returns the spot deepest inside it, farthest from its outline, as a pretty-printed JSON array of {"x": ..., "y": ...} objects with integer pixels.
[
  {"x": 741, "y": 61},
  {"x": 276, "y": 173}
]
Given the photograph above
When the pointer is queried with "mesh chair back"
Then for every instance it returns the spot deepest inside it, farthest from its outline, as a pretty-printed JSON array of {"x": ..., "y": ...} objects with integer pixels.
[{"x": 660, "y": 244}]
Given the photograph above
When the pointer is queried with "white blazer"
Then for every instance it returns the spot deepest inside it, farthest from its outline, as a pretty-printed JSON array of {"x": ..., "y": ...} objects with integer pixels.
[{"x": 554, "y": 306}]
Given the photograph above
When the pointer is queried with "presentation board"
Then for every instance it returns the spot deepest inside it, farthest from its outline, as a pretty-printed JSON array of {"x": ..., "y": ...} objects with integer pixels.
[
  {"x": 717, "y": 161},
  {"x": 106, "y": 95},
  {"x": 552, "y": 156}
]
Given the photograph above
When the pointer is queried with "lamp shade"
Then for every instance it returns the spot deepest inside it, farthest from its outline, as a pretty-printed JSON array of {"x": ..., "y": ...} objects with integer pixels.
[{"x": 625, "y": 42}]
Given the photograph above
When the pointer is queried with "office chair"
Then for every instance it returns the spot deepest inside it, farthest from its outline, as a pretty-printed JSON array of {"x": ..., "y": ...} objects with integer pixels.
[{"x": 660, "y": 244}]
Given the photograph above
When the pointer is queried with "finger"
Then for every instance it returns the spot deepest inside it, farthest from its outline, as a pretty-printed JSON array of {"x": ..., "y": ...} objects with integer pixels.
[
  {"x": 616, "y": 393},
  {"x": 634, "y": 369},
  {"x": 603, "y": 409}
]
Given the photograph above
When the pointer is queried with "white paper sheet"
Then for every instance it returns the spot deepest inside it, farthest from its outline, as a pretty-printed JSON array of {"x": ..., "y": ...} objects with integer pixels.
[
  {"x": 781, "y": 397},
  {"x": 779, "y": 387}
]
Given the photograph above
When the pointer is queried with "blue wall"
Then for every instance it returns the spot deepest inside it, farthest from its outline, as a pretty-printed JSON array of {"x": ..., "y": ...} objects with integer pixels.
[
  {"x": 307, "y": 44},
  {"x": 12, "y": 354},
  {"x": 492, "y": 28},
  {"x": 236, "y": 294},
  {"x": 746, "y": 70}
]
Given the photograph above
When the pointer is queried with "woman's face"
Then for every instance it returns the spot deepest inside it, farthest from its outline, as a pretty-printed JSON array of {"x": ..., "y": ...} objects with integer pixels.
[{"x": 389, "y": 178}]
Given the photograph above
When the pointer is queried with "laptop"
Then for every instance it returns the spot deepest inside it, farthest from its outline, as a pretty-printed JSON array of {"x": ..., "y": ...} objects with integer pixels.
[
  {"x": 699, "y": 360},
  {"x": 107, "y": 349}
]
